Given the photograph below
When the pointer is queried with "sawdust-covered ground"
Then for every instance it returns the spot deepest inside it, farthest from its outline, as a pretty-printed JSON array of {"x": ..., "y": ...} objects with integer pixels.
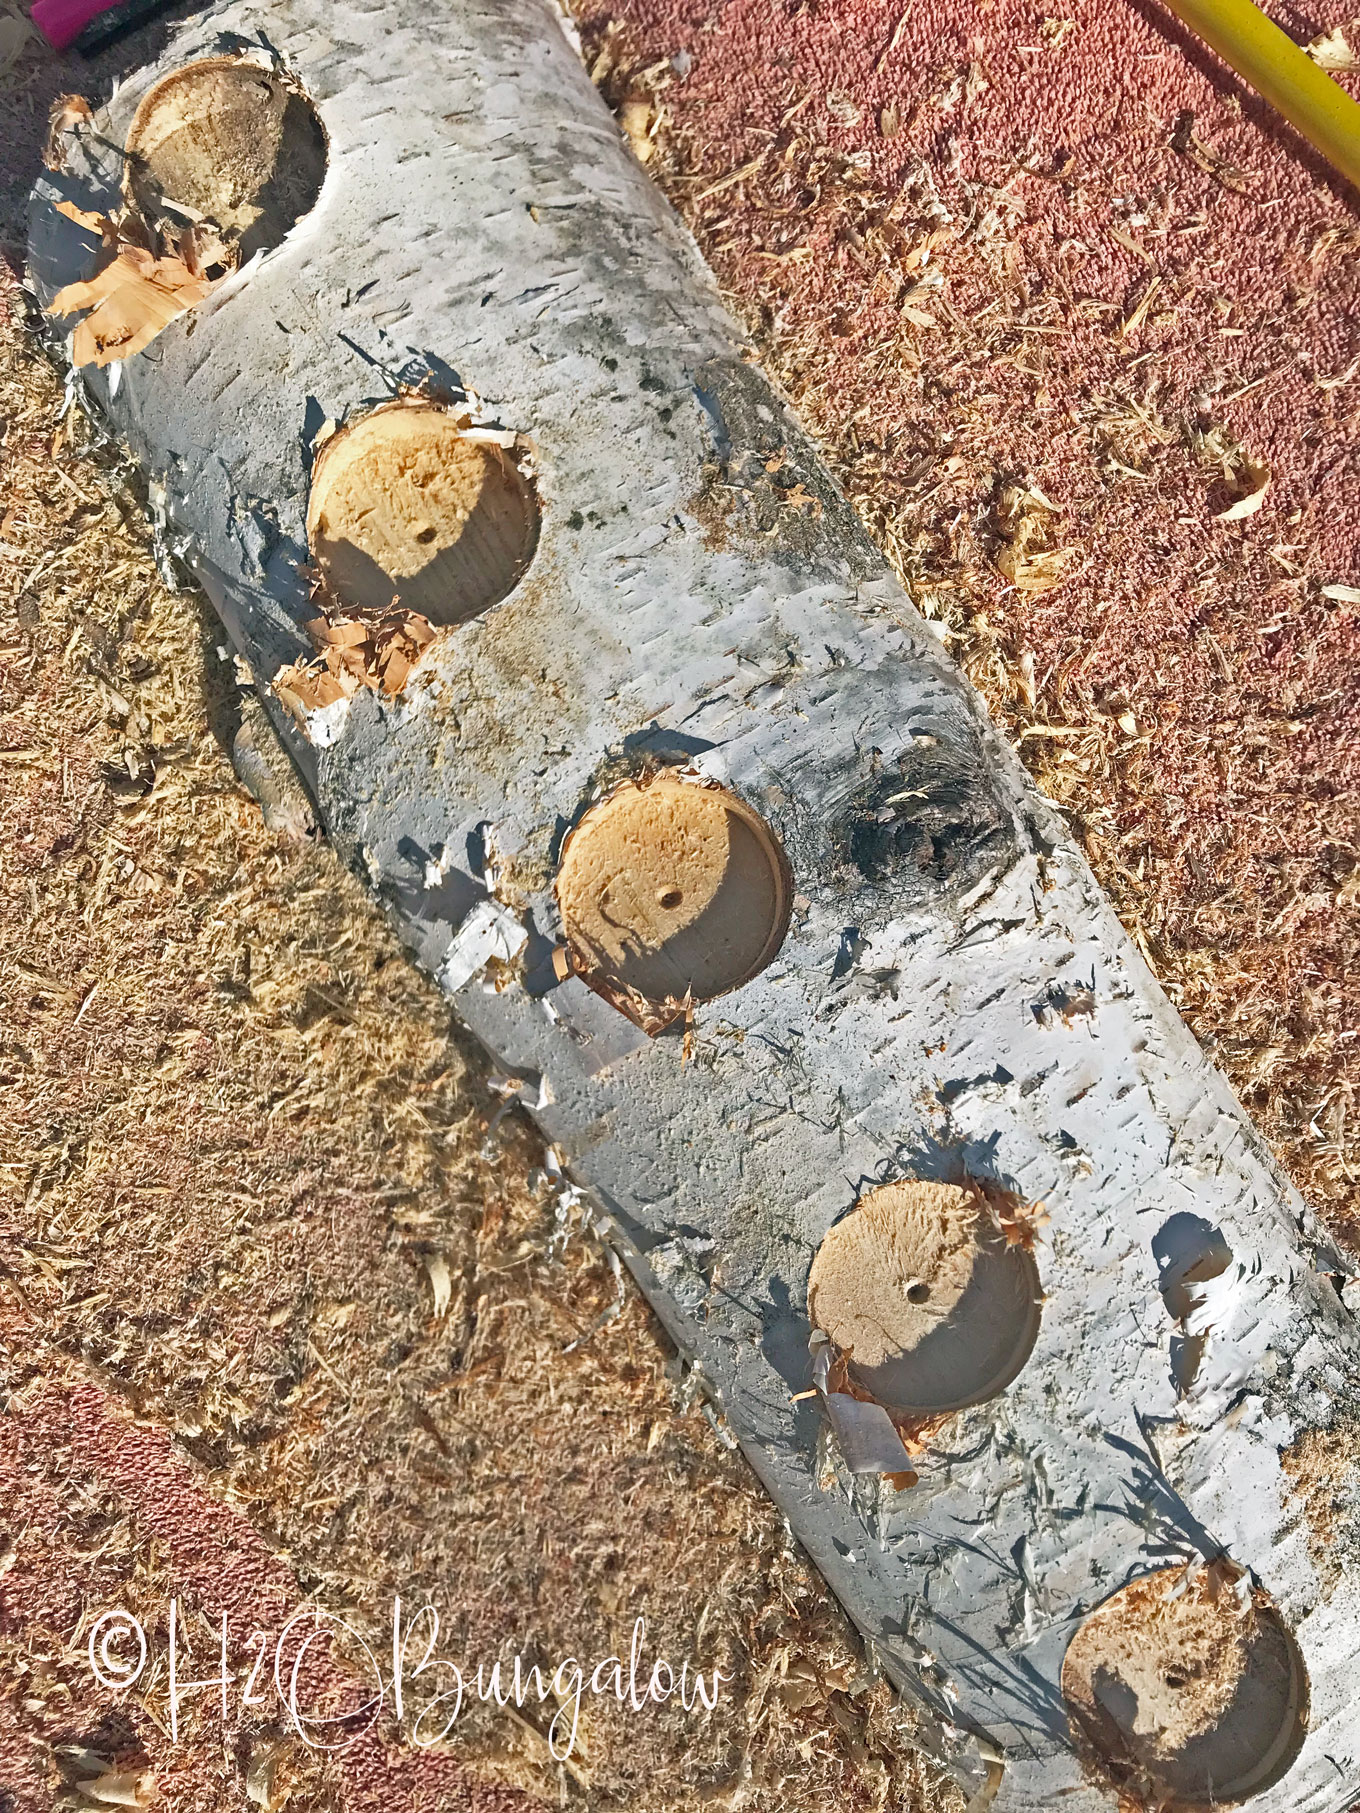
[{"x": 281, "y": 1312}]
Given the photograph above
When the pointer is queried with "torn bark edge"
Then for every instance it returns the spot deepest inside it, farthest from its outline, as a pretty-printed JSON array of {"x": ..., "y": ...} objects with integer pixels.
[
  {"x": 491, "y": 935},
  {"x": 651, "y": 1016},
  {"x": 68, "y": 113},
  {"x": 471, "y": 417},
  {"x": 867, "y": 1435}
]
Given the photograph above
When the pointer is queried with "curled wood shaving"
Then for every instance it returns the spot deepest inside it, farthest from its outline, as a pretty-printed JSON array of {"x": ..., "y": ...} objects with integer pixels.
[
  {"x": 1205, "y": 158},
  {"x": 307, "y": 686},
  {"x": 1255, "y": 474},
  {"x": 69, "y": 112},
  {"x": 261, "y": 1772},
  {"x": 639, "y": 127},
  {"x": 1027, "y": 556},
  {"x": 441, "y": 1283},
  {"x": 378, "y": 651},
  {"x": 652, "y": 1017},
  {"x": 1020, "y": 1223},
  {"x": 116, "y": 1789}
]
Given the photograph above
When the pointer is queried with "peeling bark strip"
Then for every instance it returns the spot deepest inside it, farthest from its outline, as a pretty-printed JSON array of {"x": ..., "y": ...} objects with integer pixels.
[{"x": 939, "y": 994}]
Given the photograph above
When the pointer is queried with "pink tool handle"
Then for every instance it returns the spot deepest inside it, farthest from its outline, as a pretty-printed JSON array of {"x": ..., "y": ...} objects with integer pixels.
[{"x": 62, "y": 21}]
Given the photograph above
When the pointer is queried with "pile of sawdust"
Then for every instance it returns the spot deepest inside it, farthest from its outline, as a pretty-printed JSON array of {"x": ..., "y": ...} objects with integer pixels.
[
  {"x": 254, "y": 1189},
  {"x": 1324, "y": 1468}
]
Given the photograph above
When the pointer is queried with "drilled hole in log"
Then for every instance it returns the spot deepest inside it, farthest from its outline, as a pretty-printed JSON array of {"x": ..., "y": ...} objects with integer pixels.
[
  {"x": 1186, "y": 1689},
  {"x": 921, "y": 1290},
  {"x": 670, "y": 890},
  {"x": 405, "y": 505},
  {"x": 230, "y": 142}
]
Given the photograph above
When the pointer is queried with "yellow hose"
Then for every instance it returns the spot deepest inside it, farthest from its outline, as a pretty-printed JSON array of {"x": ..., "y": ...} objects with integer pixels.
[{"x": 1282, "y": 74}]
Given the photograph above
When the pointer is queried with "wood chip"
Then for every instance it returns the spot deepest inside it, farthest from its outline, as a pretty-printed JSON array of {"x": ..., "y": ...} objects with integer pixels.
[
  {"x": 1140, "y": 310},
  {"x": 1130, "y": 244},
  {"x": 1257, "y": 475},
  {"x": 441, "y": 1285},
  {"x": 93, "y": 223},
  {"x": 378, "y": 650},
  {"x": 120, "y": 1790},
  {"x": 134, "y": 298},
  {"x": 1330, "y": 50},
  {"x": 636, "y": 119}
]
